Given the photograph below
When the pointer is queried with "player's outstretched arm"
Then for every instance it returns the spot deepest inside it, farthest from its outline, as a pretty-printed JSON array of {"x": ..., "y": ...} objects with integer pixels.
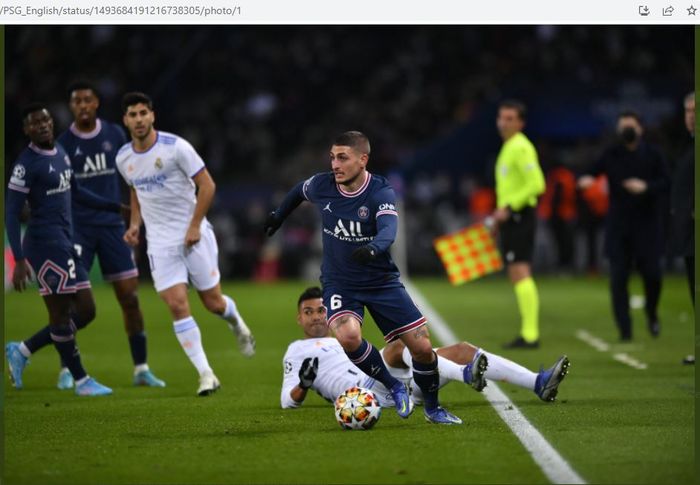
[
  {"x": 293, "y": 395},
  {"x": 91, "y": 199},
  {"x": 290, "y": 202},
  {"x": 307, "y": 376},
  {"x": 206, "y": 188}
]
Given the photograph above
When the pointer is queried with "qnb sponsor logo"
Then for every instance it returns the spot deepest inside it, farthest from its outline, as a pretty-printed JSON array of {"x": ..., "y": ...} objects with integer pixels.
[
  {"x": 93, "y": 168},
  {"x": 63, "y": 183},
  {"x": 148, "y": 184},
  {"x": 387, "y": 207}
]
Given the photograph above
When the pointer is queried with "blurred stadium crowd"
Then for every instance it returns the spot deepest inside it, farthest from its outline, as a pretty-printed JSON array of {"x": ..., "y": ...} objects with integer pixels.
[{"x": 261, "y": 104}]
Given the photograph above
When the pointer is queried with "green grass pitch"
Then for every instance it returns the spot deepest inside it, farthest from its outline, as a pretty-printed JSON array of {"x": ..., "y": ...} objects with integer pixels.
[{"x": 612, "y": 423}]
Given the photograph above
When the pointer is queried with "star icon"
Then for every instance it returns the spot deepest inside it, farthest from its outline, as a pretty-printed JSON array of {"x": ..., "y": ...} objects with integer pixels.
[{"x": 691, "y": 10}]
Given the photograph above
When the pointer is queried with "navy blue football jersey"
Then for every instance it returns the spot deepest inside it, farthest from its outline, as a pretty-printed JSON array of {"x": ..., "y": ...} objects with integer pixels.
[
  {"x": 44, "y": 176},
  {"x": 93, "y": 157},
  {"x": 350, "y": 221}
]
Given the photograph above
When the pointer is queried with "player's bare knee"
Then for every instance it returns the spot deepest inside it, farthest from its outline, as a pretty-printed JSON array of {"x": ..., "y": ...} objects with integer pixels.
[
  {"x": 214, "y": 303},
  {"x": 179, "y": 306},
  {"x": 424, "y": 355},
  {"x": 128, "y": 300},
  {"x": 85, "y": 313},
  {"x": 420, "y": 347},
  {"x": 348, "y": 332}
]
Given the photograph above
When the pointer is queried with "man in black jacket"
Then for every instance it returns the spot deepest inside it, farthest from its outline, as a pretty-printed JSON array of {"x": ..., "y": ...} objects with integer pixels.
[{"x": 638, "y": 180}]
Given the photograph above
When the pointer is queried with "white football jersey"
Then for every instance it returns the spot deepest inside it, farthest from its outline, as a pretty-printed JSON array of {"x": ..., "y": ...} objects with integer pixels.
[
  {"x": 335, "y": 372},
  {"x": 162, "y": 178}
]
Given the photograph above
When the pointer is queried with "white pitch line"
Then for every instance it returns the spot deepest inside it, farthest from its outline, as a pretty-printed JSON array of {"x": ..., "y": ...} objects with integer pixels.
[
  {"x": 552, "y": 464},
  {"x": 595, "y": 342},
  {"x": 629, "y": 360},
  {"x": 602, "y": 346}
]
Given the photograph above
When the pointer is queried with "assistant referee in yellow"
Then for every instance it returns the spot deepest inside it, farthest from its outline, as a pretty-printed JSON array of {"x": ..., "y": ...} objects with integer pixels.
[{"x": 519, "y": 181}]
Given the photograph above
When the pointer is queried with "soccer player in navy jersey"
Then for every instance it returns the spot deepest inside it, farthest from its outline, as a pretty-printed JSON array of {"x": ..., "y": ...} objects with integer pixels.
[
  {"x": 359, "y": 219},
  {"x": 43, "y": 176},
  {"x": 92, "y": 144}
]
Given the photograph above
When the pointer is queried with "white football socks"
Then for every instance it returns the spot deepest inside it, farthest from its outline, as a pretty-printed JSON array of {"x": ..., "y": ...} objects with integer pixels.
[
  {"x": 501, "y": 369},
  {"x": 231, "y": 313},
  {"x": 24, "y": 350},
  {"x": 187, "y": 333},
  {"x": 448, "y": 370}
]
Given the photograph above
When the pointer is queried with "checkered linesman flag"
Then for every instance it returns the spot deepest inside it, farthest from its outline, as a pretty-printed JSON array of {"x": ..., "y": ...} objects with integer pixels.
[{"x": 468, "y": 254}]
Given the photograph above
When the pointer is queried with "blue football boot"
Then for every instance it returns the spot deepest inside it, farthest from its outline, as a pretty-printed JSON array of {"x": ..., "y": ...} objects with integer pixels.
[
  {"x": 474, "y": 371},
  {"x": 147, "y": 378},
  {"x": 65, "y": 379},
  {"x": 547, "y": 383},
  {"x": 403, "y": 402},
  {"x": 16, "y": 362},
  {"x": 92, "y": 388},
  {"x": 439, "y": 415}
]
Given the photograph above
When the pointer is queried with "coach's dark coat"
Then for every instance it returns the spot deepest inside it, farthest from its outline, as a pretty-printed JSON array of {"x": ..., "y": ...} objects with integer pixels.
[{"x": 634, "y": 225}]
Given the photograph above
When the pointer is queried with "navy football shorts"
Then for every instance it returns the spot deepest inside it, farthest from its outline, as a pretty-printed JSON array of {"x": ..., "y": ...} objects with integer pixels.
[
  {"x": 57, "y": 267},
  {"x": 115, "y": 256},
  {"x": 392, "y": 308}
]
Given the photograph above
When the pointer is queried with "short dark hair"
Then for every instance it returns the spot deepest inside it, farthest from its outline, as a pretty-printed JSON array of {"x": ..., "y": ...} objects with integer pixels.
[
  {"x": 353, "y": 139},
  {"x": 309, "y": 293},
  {"x": 33, "y": 108},
  {"x": 630, "y": 113},
  {"x": 81, "y": 84},
  {"x": 136, "y": 97},
  {"x": 515, "y": 104}
]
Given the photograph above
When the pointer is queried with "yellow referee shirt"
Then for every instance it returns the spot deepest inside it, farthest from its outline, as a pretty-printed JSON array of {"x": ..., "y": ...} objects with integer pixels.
[{"x": 519, "y": 178}]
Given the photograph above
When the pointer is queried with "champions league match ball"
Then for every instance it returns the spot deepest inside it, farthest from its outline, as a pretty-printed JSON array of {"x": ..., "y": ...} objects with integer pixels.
[{"x": 357, "y": 408}]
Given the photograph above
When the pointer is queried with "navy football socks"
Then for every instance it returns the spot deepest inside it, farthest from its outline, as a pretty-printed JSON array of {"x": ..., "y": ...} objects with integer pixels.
[
  {"x": 137, "y": 344},
  {"x": 369, "y": 360},
  {"x": 63, "y": 337},
  {"x": 427, "y": 377}
]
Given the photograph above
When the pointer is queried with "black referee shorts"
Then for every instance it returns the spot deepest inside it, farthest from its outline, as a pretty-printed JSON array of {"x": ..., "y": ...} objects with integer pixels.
[{"x": 517, "y": 236}]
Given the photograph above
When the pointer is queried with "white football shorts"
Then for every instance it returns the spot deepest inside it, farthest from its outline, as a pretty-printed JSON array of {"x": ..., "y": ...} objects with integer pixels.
[{"x": 198, "y": 264}]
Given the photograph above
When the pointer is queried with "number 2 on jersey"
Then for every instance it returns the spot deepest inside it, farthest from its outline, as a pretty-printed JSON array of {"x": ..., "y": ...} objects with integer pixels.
[{"x": 71, "y": 268}]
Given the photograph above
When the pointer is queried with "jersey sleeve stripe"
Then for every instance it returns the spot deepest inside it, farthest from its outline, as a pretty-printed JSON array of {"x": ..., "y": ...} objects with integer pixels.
[
  {"x": 197, "y": 172},
  {"x": 18, "y": 188},
  {"x": 387, "y": 213}
]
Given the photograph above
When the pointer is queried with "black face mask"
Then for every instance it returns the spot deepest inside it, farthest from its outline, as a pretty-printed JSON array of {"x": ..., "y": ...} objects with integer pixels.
[{"x": 628, "y": 135}]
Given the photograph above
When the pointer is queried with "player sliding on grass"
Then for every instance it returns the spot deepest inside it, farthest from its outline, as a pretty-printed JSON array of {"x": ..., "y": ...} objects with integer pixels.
[
  {"x": 318, "y": 362},
  {"x": 163, "y": 170},
  {"x": 359, "y": 218}
]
